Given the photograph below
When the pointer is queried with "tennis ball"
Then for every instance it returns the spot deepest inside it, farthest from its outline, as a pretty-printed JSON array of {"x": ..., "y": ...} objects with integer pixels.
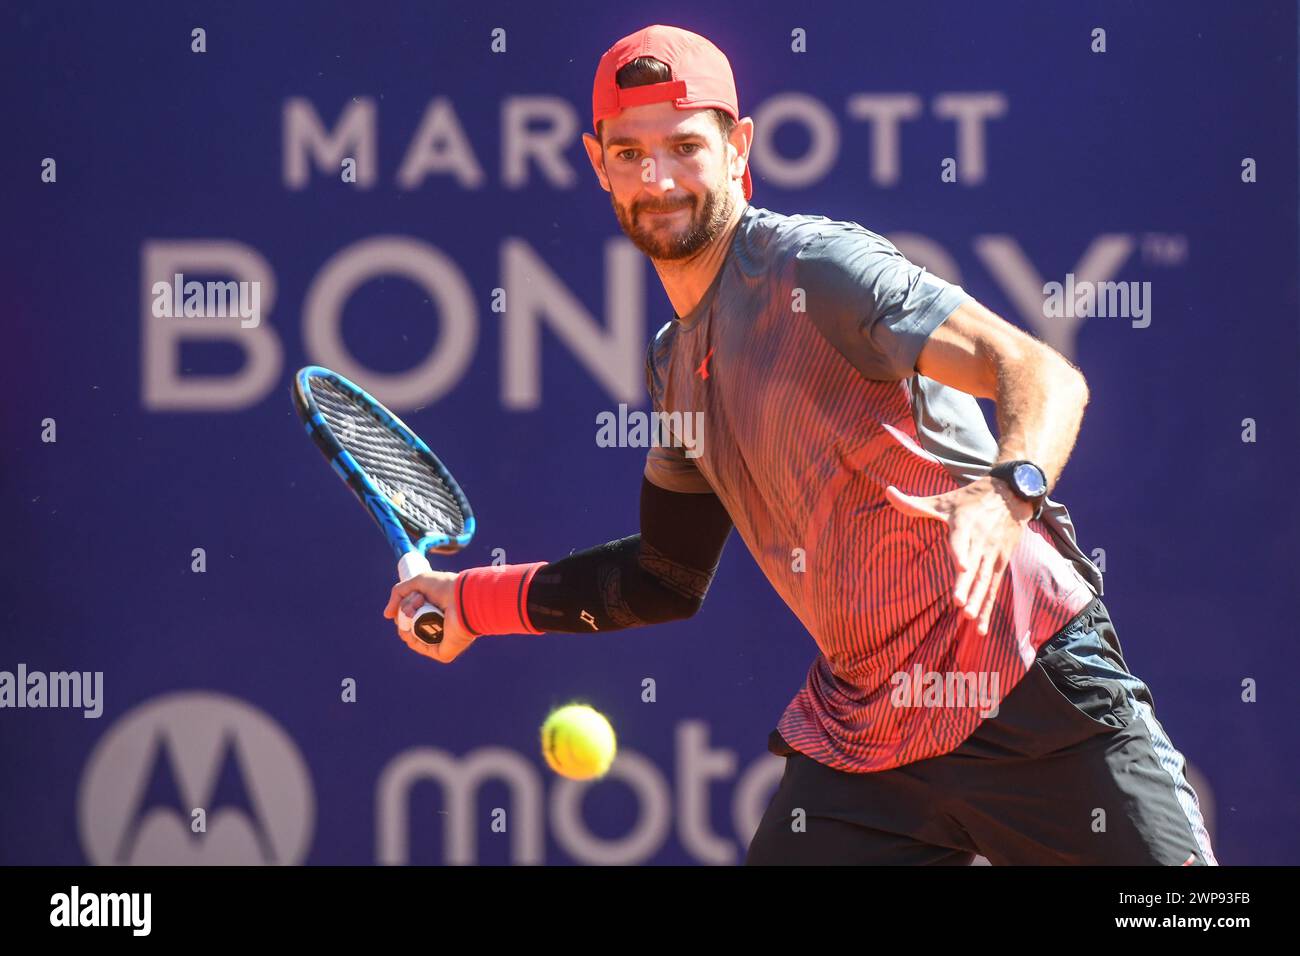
[{"x": 578, "y": 742}]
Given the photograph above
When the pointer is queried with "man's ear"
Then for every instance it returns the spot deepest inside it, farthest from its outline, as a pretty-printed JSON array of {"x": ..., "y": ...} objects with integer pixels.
[
  {"x": 741, "y": 139},
  {"x": 596, "y": 156}
]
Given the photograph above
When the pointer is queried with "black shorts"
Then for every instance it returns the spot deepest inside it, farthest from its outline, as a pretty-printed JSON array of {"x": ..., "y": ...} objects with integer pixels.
[{"x": 1073, "y": 769}]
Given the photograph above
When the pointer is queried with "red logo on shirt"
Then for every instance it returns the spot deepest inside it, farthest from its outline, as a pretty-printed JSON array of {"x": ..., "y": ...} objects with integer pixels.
[{"x": 703, "y": 370}]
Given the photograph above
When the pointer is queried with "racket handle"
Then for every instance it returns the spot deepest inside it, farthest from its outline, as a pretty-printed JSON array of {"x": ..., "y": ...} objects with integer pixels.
[{"x": 428, "y": 621}]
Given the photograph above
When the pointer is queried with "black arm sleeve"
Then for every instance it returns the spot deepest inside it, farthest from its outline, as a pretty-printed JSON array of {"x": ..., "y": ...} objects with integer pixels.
[{"x": 659, "y": 575}]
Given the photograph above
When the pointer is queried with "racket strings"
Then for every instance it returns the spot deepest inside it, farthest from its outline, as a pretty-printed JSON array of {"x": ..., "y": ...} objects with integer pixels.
[{"x": 411, "y": 484}]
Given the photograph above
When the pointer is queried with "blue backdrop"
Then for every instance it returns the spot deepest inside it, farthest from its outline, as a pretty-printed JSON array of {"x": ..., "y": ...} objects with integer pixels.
[{"x": 222, "y": 689}]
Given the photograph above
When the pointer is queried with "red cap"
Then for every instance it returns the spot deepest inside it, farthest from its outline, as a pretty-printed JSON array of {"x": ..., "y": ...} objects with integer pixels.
[{"x": 701, "y": 77}]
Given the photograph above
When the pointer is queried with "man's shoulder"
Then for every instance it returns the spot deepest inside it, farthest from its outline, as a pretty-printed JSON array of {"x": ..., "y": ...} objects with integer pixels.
[
  {"x": 656, "y": 354},
  {"x": 771, "y": 237},
  {"x": 662, "y": 339}
]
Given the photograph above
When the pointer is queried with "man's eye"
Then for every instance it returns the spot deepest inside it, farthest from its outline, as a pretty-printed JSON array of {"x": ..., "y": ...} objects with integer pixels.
[
  {"x": 627, "y": 155},
  {"x": 691, "y": 148}
]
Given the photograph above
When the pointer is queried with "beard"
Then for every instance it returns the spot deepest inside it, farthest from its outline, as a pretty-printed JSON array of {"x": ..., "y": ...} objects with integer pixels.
[{"x": 708, "y": 218}]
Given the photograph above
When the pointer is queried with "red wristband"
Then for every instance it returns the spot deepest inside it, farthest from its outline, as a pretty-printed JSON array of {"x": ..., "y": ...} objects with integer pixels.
[{"x": 493, "y": 599}]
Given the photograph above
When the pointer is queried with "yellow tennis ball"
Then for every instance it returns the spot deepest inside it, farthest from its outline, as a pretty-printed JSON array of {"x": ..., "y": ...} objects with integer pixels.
[{"x": 578, "y": 742}]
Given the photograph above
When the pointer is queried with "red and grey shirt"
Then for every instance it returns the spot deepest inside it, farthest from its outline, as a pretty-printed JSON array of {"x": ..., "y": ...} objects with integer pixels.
[{"x": 798, "y": 369}]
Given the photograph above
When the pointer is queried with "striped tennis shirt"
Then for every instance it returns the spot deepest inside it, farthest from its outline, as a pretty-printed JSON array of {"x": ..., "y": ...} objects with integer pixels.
[{"x": 800, "y": 362}]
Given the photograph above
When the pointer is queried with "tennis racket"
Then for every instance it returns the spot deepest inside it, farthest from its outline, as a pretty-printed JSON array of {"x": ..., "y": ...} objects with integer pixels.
[{"x": 407, "y": 490}]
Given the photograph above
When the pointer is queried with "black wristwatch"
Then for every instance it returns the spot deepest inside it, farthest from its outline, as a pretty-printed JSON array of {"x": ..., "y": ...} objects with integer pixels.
[{"x": 1026, "y": 480}]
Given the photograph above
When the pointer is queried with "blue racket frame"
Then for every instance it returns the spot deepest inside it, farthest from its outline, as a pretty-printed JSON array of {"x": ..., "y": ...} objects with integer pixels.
[{"x": 346, "y": 467}]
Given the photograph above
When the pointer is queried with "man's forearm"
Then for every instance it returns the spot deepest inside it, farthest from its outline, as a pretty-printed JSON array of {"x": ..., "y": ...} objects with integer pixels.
[
  {"x": 618, "y": 585},
  {"x": 659, "y": 575},
  {"x": 1040, "y": 403}
]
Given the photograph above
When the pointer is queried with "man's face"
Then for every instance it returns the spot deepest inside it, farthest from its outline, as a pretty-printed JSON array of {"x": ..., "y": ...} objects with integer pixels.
[{"x": 667, "y": 174}]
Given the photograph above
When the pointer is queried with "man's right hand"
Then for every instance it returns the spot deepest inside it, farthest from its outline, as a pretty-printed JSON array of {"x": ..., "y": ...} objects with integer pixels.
[{"x": 436, "y": 588}]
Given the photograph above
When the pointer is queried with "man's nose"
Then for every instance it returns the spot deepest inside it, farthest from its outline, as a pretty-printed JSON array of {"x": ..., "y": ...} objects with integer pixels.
[{"x": 659, "y": 177}]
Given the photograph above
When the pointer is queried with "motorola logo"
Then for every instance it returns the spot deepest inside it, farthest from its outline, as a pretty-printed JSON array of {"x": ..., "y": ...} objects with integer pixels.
[{"x": 196, "y": 778}]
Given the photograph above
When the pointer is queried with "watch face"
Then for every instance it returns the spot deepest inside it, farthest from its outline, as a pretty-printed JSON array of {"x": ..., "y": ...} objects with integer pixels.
[{"x": 1030, "y": 480}]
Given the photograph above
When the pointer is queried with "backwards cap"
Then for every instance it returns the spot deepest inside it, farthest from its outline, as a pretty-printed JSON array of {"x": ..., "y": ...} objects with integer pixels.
[{"x": 701, "y": 77}]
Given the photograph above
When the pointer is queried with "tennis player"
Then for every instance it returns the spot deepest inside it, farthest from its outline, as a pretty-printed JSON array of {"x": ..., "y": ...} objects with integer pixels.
[{"x": 970, "y": 695}]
